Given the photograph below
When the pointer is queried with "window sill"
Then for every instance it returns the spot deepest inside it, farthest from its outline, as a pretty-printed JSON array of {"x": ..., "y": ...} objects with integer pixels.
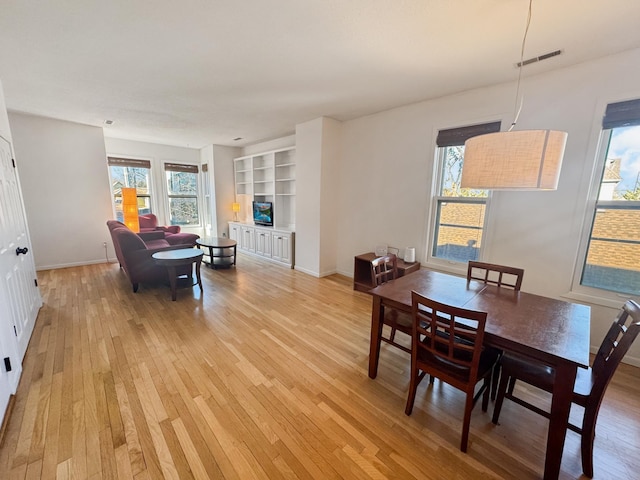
[{"x": 615, "y": 301}]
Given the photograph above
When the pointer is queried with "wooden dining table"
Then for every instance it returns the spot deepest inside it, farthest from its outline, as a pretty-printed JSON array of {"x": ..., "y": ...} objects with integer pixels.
[{"x": 550, "y": 331}]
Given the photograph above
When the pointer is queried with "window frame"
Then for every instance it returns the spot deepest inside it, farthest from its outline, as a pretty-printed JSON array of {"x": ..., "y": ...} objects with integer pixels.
[
  {"x": 449, "y": 138},
  {"x": 191, "y": 168},
  {"x": 602, "y": 296},
  {"x": 113, "y": 161}
]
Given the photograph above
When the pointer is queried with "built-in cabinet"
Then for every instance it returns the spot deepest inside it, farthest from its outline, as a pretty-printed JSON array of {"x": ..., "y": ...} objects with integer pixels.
[
  {"x": 267, "y": 242},
  {"x": 268, "y": 177}
]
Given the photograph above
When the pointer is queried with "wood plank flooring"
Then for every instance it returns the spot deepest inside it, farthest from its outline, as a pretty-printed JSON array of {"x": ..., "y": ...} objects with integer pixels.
[{"x": 263, "y": 376}]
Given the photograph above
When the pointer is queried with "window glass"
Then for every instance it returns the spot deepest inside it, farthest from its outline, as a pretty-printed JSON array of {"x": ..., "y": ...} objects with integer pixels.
[
  {"x": 182, "y": 188},
  {"x": 131, "y": 177},
  {"x": 613, "y": 256},
  {"x": 460, "y": 212}
]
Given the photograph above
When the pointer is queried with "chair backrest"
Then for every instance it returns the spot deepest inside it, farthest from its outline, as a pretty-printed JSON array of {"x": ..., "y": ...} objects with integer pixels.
[
  {"x": 500, "y": 275},
  {"x": 148, "y": 220},
  {"x": 450, "y": 333},
  {"x": 384, "y": 268},
  {"x": 615, "y": 346}
]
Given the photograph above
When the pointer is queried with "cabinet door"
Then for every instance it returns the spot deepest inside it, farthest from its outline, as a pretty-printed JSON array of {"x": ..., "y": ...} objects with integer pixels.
[
  {"x": 247, "y": 240},
  {"x": 235, "y": 233},
  {"x": 282, "y": 247},
  {"x": 263, "y": 242}
]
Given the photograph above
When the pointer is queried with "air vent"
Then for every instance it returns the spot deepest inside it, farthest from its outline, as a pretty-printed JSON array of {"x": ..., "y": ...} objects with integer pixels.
[{"x": 538, "y": 59}]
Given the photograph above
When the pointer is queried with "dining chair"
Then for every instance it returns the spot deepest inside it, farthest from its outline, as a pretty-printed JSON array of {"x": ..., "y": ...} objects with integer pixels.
[
  {"x": 590, "y": 384},
  {"x": 501, "y": 276},
  {"x": 447, "y": 344},
  {"x": 384, "y": 269}
]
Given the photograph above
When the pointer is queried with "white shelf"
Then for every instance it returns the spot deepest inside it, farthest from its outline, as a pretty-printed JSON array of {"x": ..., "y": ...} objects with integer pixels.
[{"x": 268, "y": 176}]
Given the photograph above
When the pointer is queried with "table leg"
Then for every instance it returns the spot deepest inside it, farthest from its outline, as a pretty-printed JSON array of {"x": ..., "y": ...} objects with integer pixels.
[
  {"x": 234, "y": 254},
  {"x": 376, "y": 333},
  {"x": 560, "y": 408},
  {"x": 198, "y": 263},
  {"x": 172, "y": 281}
]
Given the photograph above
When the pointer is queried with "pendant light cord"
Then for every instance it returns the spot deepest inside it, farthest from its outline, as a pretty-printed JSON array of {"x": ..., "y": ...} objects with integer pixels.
[{"x": 516, "y": 109}]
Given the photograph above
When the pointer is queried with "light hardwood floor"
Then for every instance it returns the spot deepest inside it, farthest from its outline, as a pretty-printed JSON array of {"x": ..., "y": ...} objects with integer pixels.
[{"x": 264, "y": 375}]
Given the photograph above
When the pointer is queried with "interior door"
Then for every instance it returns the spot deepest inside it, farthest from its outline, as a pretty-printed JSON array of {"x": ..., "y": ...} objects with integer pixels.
[{"x": 18, "y": 282}]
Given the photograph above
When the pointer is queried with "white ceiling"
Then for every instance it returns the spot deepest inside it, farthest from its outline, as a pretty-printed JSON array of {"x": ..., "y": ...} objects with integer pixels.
[{"x": 199, "y": 72}]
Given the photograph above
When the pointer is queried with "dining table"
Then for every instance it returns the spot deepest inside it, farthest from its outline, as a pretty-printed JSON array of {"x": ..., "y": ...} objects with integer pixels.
[{"x": 547, "y": 330}]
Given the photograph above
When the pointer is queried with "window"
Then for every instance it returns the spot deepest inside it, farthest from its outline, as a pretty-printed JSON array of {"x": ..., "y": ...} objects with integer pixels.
[
  {"x": 206, "y": 187},
  {"x": 130, "y": 173},
  {"x": 612, "y": 260},
  {"x": 459, "y": 212},
  {"x": 182, "y": 191}
]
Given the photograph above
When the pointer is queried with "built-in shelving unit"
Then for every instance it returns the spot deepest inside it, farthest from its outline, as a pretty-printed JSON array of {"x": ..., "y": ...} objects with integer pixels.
[{"x": 268, "y": 177}]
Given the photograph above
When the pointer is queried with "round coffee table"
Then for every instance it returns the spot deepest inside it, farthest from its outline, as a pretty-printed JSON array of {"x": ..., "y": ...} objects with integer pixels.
[
  {"x": 222, "y": 251},
  {"x": 177, "y": 258}
]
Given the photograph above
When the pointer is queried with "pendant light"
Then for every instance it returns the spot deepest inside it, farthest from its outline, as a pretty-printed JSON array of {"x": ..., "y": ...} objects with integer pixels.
[{"x": 514, "y": 160}]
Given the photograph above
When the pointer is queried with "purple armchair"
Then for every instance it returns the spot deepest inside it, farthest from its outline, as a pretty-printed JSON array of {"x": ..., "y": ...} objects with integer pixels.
[
  {"x": 134, "y": 253},
  {"x": 149, "y": 223}
]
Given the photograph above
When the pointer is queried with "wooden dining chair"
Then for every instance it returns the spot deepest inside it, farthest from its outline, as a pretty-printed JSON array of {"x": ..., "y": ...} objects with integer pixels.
[
  {"x": 501, "y": 276},
  {"x": 590, "y": 384},
  {"x": 384, "y": 269},
  {"x": 447, "y": 344}
]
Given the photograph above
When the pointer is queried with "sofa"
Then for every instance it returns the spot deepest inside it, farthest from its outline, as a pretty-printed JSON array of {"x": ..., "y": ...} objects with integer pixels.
[{"x": 134, "y": 252}]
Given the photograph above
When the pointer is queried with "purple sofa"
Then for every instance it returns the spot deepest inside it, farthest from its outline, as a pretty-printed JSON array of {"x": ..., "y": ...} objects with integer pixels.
[{"x": 134, "y": 252}]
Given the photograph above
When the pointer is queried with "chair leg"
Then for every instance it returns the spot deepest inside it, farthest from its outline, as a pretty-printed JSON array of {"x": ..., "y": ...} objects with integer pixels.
[
  {"x": 586, "y": 442},
  {"x": 486, "y": 385},
  {"x": 392, "y": 335},
  {"x": 135, "y": 287},
  {"x": 413, "y": 386},
  {"x": 502, "y": 390},
  {"x": 495, "y": 378},
  {"x": 468, "y": 406}
]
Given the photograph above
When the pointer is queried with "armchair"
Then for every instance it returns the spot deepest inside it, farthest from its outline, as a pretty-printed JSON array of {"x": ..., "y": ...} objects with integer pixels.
[{"x": 149, "y": 223}]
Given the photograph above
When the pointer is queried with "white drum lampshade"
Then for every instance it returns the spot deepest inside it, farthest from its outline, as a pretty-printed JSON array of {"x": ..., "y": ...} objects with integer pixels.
[{"x": 517, "y": 160}]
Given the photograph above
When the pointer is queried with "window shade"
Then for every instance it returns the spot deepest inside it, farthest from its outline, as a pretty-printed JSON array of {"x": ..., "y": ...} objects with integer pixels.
[
  {"x": 179, "y": 167},
  {"x": 622, "y": 114},
  {"x": 457, "y": 136},
  {"x": 128, "y": 162}
]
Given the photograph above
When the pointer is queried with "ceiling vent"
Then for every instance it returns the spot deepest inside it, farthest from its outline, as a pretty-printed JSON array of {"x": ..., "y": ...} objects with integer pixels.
[{"x": 538, "y": 59}]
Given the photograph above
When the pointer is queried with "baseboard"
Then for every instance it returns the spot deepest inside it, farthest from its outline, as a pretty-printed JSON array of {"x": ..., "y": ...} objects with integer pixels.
[{"x": 74, "y": 264}]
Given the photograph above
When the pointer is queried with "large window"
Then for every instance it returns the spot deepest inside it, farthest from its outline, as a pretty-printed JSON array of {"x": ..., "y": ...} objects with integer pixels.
[
  {"x": 612, "y": 261},
  {"x": 459, "y": 212},
  {"x": 130, "y": 173},
  {"x": 182, "y": 192}
]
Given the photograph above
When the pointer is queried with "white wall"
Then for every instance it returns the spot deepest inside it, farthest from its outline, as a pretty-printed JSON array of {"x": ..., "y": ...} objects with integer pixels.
[
  {"x": 220, "y": 162},
  {"x": 538, "y": 231},
  {"x": 64, "y": 179},
  {"x": 308, "y": 195}
]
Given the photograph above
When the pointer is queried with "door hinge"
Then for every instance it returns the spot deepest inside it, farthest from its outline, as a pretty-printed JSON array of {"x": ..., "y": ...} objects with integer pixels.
[
  {"x": 35, "y": 281},
  {"x": 7, "y": 364},
  {"x": 15, "y": 330}
]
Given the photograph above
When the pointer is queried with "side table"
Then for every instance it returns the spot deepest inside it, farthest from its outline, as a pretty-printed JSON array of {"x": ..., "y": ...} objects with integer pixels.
[
  {"x": 222, "y": 251},
  {"x": 362, "y": 280},
  {"x": 176, "y": 258}
]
